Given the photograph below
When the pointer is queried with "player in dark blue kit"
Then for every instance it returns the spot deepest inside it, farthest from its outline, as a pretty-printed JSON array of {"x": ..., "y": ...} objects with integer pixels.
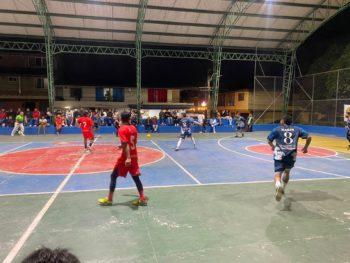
[
  {"x": 186, "y": 131},
  {"x": 284, "y": 143},
  {"x": 347, "y": 126}
]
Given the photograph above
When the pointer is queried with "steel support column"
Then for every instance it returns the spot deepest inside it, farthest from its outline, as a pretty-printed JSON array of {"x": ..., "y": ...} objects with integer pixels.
[
  {"x": 45, "y": 20},
  {"x": 288, "y": 75},
  {"x": 234, "y": 12},
  {"x": 138, "y": 39}
]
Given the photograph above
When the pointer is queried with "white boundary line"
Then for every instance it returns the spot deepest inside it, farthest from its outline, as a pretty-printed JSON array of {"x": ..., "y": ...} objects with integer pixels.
[
  {"x": 14, "y": 149},
  {"x": 175, "y": 186},
  {"x": 270, "y": 161},
  {"x": 178, "y": 164},
  {"x": 17, "y": 247}
]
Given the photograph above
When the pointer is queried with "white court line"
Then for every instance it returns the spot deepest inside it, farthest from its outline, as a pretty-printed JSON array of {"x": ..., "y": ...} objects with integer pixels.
[
  {"x": 14, "y": 251},
  {"x": 270, "y": 161},
  {"x": 174, "y": 186},
  {"x": 178, "y": 164},
  {"x": 14, "y": 149}
]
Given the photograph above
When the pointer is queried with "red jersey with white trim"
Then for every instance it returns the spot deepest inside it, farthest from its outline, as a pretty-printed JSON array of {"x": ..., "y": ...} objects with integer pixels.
[
  {"x": 86, "y": 124},
  {"x": 128, "y": 134}
]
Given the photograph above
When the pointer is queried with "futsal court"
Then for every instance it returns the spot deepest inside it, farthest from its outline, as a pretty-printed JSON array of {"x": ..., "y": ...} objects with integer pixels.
[{"x": 213, "y": 203}]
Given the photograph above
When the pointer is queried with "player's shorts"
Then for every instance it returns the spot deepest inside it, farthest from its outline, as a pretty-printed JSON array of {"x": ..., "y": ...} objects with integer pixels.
[
  {"x": 88, "y": 135},
  {"x": 286, "y": 163},
  {"x": 123, "y": 170},
  {"x": 186, "y": 134}
]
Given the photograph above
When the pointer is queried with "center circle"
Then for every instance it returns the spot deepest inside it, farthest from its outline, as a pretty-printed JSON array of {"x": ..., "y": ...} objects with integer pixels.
[
  {"x": 61, "y": 160},
  {"x": 312, "y": 151}
]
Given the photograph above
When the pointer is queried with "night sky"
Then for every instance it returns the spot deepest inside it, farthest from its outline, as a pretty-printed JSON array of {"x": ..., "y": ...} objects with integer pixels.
[{"x": 182, "y": 73}]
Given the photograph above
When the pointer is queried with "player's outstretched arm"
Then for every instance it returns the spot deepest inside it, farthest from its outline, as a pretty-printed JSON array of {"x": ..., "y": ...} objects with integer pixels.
[{"x": 307, "y": 144}]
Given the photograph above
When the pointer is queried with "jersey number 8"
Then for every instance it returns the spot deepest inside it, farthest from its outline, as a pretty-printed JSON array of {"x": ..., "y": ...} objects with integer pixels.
[{"x": 288, "y": 138}]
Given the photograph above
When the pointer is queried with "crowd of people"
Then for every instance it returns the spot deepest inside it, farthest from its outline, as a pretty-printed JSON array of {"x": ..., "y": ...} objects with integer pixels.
[{"x": 68, "y": 117}]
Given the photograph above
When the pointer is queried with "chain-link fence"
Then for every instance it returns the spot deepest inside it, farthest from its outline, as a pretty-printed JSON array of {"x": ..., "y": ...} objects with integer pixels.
[
  {"x": 320, "y": 99},
  {"x": 267, "y": 99}
]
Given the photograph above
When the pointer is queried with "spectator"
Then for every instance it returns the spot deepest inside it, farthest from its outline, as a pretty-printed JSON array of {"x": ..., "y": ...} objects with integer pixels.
[
  {"x": 11, "y": 114},
  {"x": 59, "y": 123},
  {"x": 28, "y": 117},
  {"x": 213, "y": 123},
  {"x": 250, "y": 122},
  {"x": 148, "y": 125},
  {"x": 48, "y": 116},
  {"x": 3, "y": 117},
  {"x": 155, "y": 124},
  {"x": 42, "y": 125},
  {"x": 162, "y": 117},
  {"x": 19, "y": 127},
  {"x": 35, "y": 117},
  {"x": 70, "y": 117},
  {"x": 46, "y": 255}
]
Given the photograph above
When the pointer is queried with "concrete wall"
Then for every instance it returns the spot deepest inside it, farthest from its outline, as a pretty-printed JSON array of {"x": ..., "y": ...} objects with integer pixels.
[
  {"x": 23, "y": 86},
  {"x": 88, "y": 98}
]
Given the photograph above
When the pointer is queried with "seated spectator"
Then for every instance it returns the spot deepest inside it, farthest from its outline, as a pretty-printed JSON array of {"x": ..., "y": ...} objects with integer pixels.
[
  {"x": 47, "y": 255},
  {"x": 155, "y": 124},
  {"x": 59, "y": 123},
  {"x": 42, "y": 125},
  {"x": 70, "y": 117}
]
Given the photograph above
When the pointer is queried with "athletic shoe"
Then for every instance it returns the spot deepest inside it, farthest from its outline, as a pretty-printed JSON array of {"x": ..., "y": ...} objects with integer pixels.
[
  {"x": 141, "y": 201},
  {"x": 176, "y": 149},
  {"x": 279, "y": 193},
  {"x": 104, "y": 202}
]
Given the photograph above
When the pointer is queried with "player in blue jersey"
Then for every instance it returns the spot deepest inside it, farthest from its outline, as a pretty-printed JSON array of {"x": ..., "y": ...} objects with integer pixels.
[
  {"x": 284, "y": 143},
  {"x": 186, "y": 125},
  {"x": 347, "y": 126}
]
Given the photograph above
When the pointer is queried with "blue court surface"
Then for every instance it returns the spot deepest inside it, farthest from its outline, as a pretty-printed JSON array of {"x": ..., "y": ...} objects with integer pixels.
[
  {"x": 223, "y": 160},
  {"x": 210, "y": 203}
]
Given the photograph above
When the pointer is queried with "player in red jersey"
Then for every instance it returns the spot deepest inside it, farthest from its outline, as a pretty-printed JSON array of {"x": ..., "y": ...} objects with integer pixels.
[
  {"x": 86, "y": 124},
  {"x": 127, "y": 161}
]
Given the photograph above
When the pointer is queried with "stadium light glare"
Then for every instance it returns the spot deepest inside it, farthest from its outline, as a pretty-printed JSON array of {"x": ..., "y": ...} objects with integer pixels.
[{"x": 204, "y": 104}]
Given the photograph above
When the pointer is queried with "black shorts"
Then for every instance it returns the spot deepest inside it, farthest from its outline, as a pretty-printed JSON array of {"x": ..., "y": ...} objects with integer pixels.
[
  {"x": 286, "y": 163},
  {"x": 348, "y": 135},
  {"x": 185, "y": 135}
]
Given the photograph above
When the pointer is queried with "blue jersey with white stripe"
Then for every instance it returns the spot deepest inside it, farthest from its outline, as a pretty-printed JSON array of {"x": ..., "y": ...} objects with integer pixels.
[
  {"x": 286, "y": 138},
  {"x": 186, "y": 125}
]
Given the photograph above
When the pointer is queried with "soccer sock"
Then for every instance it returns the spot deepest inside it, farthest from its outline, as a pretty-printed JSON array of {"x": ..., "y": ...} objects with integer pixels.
[
  {"x": 278, "y": 184},
  {"x": 138, "y": 185},
  {"x": 179, "y": 143},
  {"x": 193, "y": 140},
  {"x": 91, "y": 143},
  {"x": 113, "y": 183}
]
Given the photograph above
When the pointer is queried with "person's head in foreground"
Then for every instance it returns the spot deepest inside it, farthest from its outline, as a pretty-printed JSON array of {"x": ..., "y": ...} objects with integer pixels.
[
  {"x": 47, "y": 255},
  {"x": 286, "y": 120},
  {"x": 125, "y": 117}
]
